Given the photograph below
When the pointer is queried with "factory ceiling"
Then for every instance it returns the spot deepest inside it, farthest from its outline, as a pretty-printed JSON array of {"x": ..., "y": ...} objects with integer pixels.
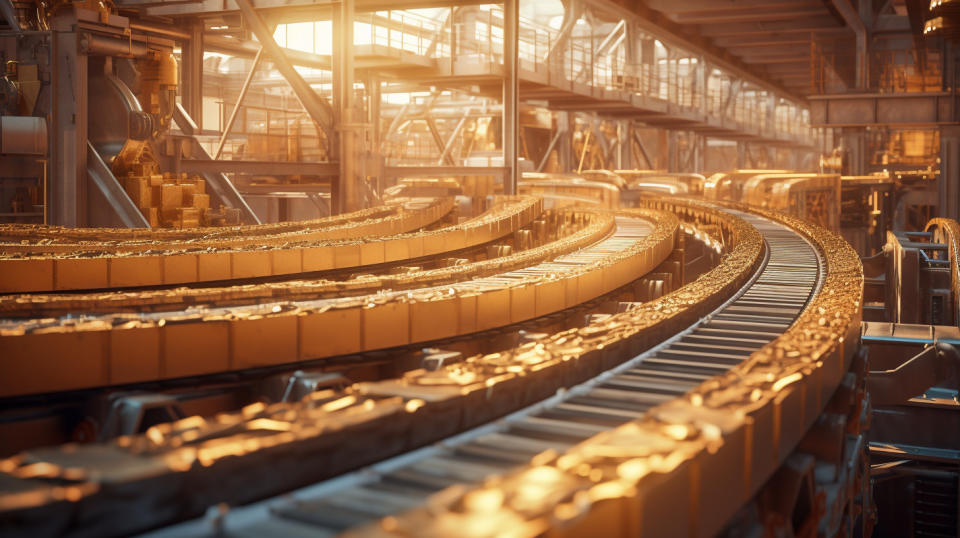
[{"x": 780, "y": 40}]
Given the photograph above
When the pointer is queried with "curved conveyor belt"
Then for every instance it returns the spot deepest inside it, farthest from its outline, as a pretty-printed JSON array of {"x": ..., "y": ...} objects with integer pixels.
[{"x": 764, "y": 309}]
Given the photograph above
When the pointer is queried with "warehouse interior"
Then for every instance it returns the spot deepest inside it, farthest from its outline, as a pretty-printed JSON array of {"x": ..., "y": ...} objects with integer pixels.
[{"x": 453, "y": 268}]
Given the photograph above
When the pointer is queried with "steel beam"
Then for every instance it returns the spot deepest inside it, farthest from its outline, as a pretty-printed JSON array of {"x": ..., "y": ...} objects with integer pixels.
[
  {"x": 440, "y": 171},
  {"x": 267, "y": 168},
  {"x": 66, "y": 193},
  {"x": 250, "y": 48},
  {"x": 372, "y": 87},
  {"x": 643, "y": 150},
  {"x": 852, "y": 18},
  {"x": 553, "y": 143},
  {"x": 573, "y": 9},
  {"x": 949, "y": 181},
  {"x": 318, "y": 109},
  {"x": 802, "y": 26},
  {"x": 674, "y": 34},
  {"x": 286, "y": 10},
  {"x": 732, "y": 96},
  {"x": 236, "y": 107},
  {"x": 767, "y": 14},
  {"x": 613, "y": 39},
  {"x": 10, "y": 14},
  {"x": 346, "y": 194},
  {"x": 565, "y": 144},
  {"x": 916, "y": 109},
  {"x": 435, "y": 133},
  {"x": 219, "y": 187},
  {"x": 445, "y": 155},
  {"x": 511, "y": 94},
  {"x": 114, "y": 206},
  {"x": 623, "y": 145},
  {"x": 191, "y": 86}
]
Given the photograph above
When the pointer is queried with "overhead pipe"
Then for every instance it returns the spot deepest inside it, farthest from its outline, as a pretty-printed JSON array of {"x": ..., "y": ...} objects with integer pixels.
[{"x": 96, "y": 45}]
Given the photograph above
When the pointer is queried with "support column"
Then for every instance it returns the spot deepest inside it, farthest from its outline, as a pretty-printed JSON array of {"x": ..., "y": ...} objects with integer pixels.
[
  {"x": 700, "y": 159},
  {"x": 372, "y": 86},
  {"x": 565, "y": 143},
  {"x": 236, "y": 107},
  {"x": 771, "y": 126},
  {"x": 742, "y": 155},
  {"x": 191, "y": 87},
  {"x": 851, "y": 16},
  {"x": 854, "y": 145},
  {"x": 348, "y": 183},
  {"x": 317, "y": 108},
  {"x": 701, "y": 81},
  {"x": 663, "y": 150},
  {"x": 511, "y": 95},
  {"x": 625, "y": 139},
  {"x": 771, "y": 154},
  {"x": 673, "y": 151},
  {"x": 949, "y": 182},
  {"x": 66, "y": 192}
]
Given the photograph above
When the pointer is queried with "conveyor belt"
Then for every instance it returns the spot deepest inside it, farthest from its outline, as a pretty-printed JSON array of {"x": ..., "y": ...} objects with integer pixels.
[
  {"x": 400, "y": 216},
  {"x": 764, "y": 309},
  {"x": 693, "y": 445},
  {"x": 201, "y": 341},
  {"x": 25, "y": 272},
  {"x": 568, "y": 231}
]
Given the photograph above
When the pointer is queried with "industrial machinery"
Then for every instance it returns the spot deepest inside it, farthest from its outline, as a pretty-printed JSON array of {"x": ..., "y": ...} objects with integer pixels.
[
  {"x": 107, "y": 93},
  {"x": 540, "y": 268}
]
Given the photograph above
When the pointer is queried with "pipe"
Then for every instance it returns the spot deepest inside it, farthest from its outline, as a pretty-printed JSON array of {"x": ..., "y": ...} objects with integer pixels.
[
  {"x": 95, "y": 45},
  {"x": 23, "y": 135}
]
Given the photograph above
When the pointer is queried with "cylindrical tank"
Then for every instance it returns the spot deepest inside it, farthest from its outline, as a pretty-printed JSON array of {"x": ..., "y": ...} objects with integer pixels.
[
  {"x": 168, "y": 70},
  {"x": 23, "y": 135}
]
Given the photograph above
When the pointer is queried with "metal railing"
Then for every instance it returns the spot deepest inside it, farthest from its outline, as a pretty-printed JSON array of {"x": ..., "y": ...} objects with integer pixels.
[{"x": 574, "y": 63}]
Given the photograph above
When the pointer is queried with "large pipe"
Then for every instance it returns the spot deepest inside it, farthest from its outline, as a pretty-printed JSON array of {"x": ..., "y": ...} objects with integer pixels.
[
  {"x": 96, "y": 45},
  {"x": 23, "y": 135}
]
